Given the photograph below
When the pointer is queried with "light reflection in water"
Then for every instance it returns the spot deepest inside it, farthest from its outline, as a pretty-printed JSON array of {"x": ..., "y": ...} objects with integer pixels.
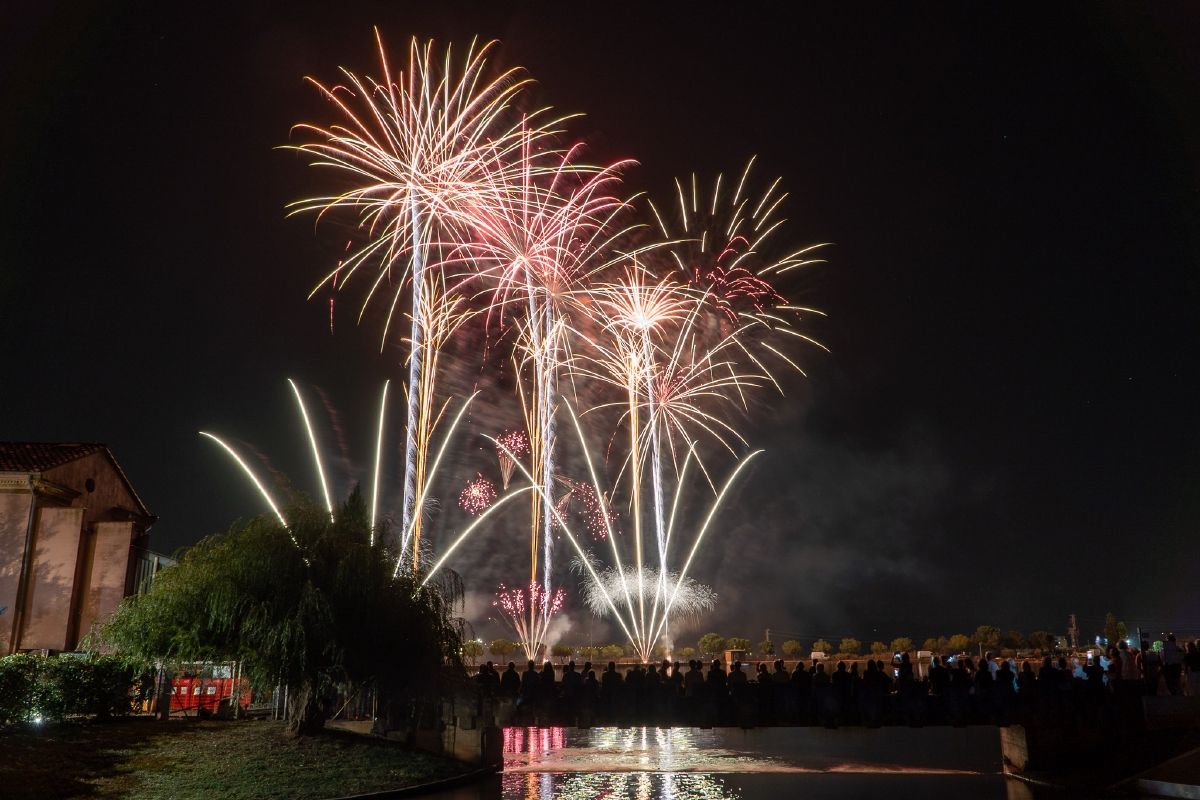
[
  {"x": 648, "y": 763},
  {"x": 661, "y": 750},
  {"x": 614, "y": 785},
  {"x": 635, "y": 763}
]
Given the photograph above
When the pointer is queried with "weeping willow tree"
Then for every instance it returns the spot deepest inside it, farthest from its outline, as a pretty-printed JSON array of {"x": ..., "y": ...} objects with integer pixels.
[{"x": 312, "y": 605}]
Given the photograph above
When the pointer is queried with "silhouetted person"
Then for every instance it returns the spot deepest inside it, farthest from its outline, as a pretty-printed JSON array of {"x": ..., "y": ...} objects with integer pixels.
[
  {"x": 510, "y": 681},
  {"x": 1004, "y": 694},
  {"x": 1191, "y": 668},
  {"x": 939, "y": 677},
  {"x": 802, "y": 690},
  {"x": 825, "y": 697},
  {"x": 530, "y": 682}
]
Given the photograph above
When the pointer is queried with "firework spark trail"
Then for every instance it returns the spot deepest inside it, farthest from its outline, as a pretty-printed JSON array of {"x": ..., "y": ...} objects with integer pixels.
[
  {"x": 538, "y": 240},
  {"x": 515, "y": 442},
  {"x": 423, "y": 151},
  {"x": 316, "y": 451},
  {"x": 567, "y": 530},
  {"x": 378, "y": 460},
  {"x": 693, "y": 598},
  {"x": 594, "y": 509},
  {"x": 462, "y": 537},
  {"x": 541, "y": 605},
  {"x": 651, "y": 351},
  {"x": 253, "y": 478},
  {"x": 425, "y": 488},
  {"x": 723, "y": 249}
]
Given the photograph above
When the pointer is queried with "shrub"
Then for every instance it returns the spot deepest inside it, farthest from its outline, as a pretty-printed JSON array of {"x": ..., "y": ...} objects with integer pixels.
[{"x": 35, "y": 687}]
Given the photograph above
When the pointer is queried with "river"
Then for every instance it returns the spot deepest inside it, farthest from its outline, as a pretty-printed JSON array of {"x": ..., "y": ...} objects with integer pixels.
[{"x": 735, "y": 764}]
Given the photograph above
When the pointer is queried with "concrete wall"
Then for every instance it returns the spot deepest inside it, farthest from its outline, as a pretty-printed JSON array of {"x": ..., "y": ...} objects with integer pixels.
[
  {"x": 107, "y": 572},
  {"x": 14, "y": 521}
]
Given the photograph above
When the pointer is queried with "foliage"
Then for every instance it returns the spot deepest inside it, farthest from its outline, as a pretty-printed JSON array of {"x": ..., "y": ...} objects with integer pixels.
[
  {"x": 612, "y": 651},
  {"x": 958, "y": 643},
  {"x": 878, "y": 648},
  {"x": 37, "y": 687},
  {"x": 987, "y": 636},
  {"x": 850, "y": 646},
  {"x": 792, "y": 648},
  {"x": 503, "y": 648},
  {"x": 711, "y": 644},
  {"x": 902, "y": 644},
  {"x": 822, "y": 646},
  {"x": 932, "y": 645},
  {"x": 1041, "y": 640},
  {"x": 312, "y": 605},
  {"x": 687, "y": 653},
  {"x": 590, "y": 651},
  {"x": 472, "y": 649},
  {"x": 1014, "y": 639},
  {"x": 766, "y": 647},
  {"x": 736, "y": 643},
  {"x": 561, "y": 651},
  {"x": 1114, "y": 630}
]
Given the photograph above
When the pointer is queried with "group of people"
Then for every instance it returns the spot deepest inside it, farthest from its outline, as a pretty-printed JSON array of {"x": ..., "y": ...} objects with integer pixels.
[{"x": 954, "y": 691}]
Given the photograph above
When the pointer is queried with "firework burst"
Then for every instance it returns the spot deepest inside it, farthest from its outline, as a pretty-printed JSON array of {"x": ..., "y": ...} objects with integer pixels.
[
  {"x": 477, "y": 495},
  {"x": 528, "y": 612},
  {"x": 599, "y": 517},
  {"x": 423, "y": 152},
  {"x": 513, "y": 445},
  {"x": 692, "y": 598}
]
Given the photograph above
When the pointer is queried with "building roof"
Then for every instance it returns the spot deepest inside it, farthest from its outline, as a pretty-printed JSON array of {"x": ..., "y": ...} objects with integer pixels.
[{"x": 41, "y": 456}]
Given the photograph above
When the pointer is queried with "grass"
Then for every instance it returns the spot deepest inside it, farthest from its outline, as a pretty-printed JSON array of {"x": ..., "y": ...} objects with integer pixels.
[{"x": 143, "y": 759}]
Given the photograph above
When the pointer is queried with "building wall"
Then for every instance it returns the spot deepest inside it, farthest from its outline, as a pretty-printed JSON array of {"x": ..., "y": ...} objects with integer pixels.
[
  {"x": 108, "y": 566},
  {"x": 83, "y": 556},
  {"x": 52, "y": 584},
  {"x": 109, "y": 490},
  {"x": 14, "y": 522}
]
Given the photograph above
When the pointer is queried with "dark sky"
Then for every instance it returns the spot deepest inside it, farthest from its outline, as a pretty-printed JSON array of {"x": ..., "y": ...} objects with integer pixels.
[{"x": 1005, "y": 431}]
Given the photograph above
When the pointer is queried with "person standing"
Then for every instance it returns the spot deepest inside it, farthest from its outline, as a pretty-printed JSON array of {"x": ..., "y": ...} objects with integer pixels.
[
  {"x": 1191, "y": 663},
  {"x": 1172, "y": 664}
]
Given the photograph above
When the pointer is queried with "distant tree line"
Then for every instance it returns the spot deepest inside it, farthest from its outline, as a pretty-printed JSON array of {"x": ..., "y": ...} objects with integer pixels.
[{"x": 714, "y": 645}]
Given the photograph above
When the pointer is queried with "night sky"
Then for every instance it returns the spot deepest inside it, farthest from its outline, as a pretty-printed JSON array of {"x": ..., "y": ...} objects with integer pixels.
[{"x": 1005, "y": 431}]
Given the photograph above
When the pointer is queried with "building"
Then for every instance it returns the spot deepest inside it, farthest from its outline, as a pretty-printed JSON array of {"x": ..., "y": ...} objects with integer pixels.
[{"x": 73, "y": 542}]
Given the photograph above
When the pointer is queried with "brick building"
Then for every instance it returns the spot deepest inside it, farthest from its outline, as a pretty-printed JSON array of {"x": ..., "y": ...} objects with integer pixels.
[{"x": 73, "y": 542}]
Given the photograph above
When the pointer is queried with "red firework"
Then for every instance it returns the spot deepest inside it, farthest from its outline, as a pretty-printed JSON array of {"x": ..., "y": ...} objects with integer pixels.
[{"x": 477, "y": 495}]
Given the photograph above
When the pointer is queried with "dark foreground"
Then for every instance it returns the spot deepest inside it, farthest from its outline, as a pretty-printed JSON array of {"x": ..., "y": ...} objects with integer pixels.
[{"x": 142, "y": 759}]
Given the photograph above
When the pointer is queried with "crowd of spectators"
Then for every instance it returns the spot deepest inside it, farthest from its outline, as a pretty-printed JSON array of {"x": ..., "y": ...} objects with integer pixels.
[{"x": 1104, "y": 687}]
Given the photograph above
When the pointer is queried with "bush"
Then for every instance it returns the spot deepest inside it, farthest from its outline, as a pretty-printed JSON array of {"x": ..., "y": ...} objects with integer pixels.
[{"x": 36, "y": 687}]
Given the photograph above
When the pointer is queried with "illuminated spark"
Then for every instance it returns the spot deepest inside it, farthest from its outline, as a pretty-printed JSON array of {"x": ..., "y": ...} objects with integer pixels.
[
  {"x": 478, "y": 494},
  {"x": 528, "y": 613},
  {"x": 691, "y": 597},
  {"x": 515, "y": 444},
  {"x": 423, "y": 151},
  {"x": 250, "y": 474}
]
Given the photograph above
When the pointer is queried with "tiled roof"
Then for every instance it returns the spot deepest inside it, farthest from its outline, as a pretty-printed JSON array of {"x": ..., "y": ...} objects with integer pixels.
[
  {"x": 41, "y": 456},
  {"x": 38, "y": 456}
]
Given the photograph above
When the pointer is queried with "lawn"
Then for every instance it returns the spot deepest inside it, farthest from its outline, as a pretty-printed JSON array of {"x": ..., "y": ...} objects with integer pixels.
[{"x": 143, "y": 759}]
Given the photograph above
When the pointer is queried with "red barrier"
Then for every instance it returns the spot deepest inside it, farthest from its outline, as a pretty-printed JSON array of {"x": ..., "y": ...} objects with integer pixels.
[{"x": 205, "y": 694}]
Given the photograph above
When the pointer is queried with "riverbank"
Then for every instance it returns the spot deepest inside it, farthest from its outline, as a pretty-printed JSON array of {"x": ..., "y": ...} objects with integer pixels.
[{"x": 144, "y": 759}]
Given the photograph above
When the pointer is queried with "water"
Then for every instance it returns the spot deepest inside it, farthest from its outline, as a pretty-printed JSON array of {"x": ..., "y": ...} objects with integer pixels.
[{"x": 735, "y": 764}]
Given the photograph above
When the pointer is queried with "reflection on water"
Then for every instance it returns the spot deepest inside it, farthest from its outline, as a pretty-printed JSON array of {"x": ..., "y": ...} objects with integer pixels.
[
  {"x": 735, "y": 764},
  {"x": 639, "y": 785},
  {"x": 791, "y": 750}
]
